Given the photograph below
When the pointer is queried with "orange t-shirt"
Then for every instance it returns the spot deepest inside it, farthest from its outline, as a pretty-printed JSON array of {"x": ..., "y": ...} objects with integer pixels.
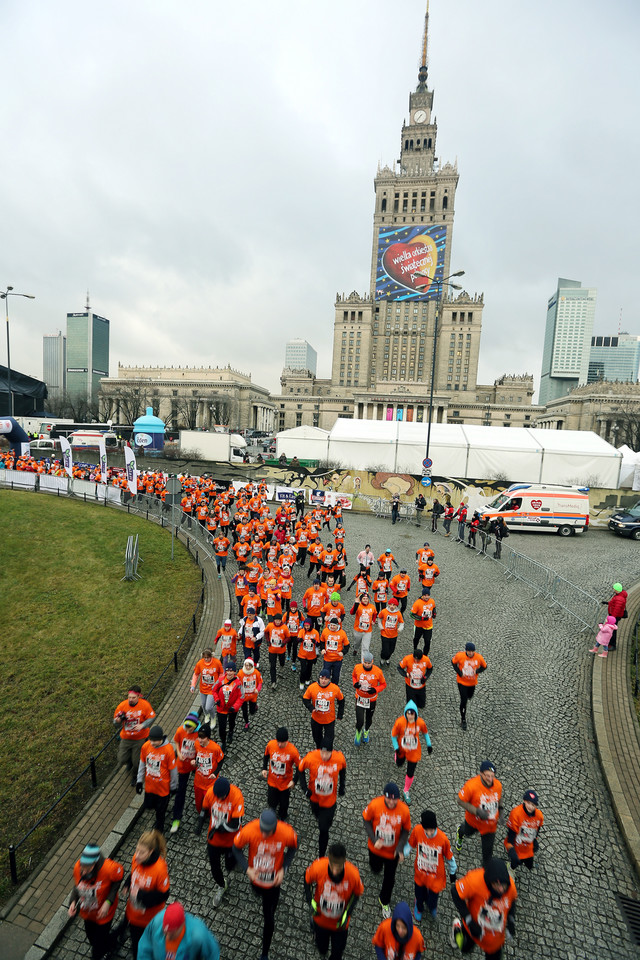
[
  {"x": 307, "y": 647},
  {"x": 380, "y": 590},
  {"x": 133, "y": 716},
  {"x": 186, "y": 741},
  {"x": 277, "y": 637},
  {"x": 323, "y": 700},
  {"x": 387, "y": 825},
  {"x": 323, "y": 776},
  {"x": 251, "y": 684},
  {"x": 408, "y": 737},
  {"x": 526, "y": 827},
  {"x": 207, "y": 761},
  {"x": 415, "y": 671},
  {"x": 208, "y": 672},
  {"x": 221, "y": 810},
  {"x": 424, "y": 609},
  {"x": 314, "y": 600},
  {"x": 390, "y": 620},
  {"x": 94, "y": 892},
  {"x": 428, "y": 575},
  {"x": 266, "y": 854},
  {"x": 468, "y": 666},
  {"x": 400, "y": 585},
  {"x": 332, "y": 897},
  {"x": 152, "y": 876},
  {"x": 159, "y": 762},
  {"x": 228, "y": 641},
  {"x": 477, "y": 794},
  {"x": 366, "y": 615},
  {"x": 384, "y": 938},
  {"x": 282, "y": 760},
  {"x": 386, "y": 562},
  {"x": 431, "y": 852},
  {"x": 370, "y": 682},
  {"x": 486, "y": 909},
  {"x": 422, "y": 556},
  {"x": 335, "y": 643}
]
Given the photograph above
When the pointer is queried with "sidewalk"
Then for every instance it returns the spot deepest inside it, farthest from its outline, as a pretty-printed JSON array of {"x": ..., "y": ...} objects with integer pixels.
[
  {"x": 33, "y": 920},
  {"x": 617, "y": 730}
]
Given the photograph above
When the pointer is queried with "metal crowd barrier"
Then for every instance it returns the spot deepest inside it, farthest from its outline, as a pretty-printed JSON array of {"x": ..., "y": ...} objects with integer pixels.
[{"x": 60, "y": 486}]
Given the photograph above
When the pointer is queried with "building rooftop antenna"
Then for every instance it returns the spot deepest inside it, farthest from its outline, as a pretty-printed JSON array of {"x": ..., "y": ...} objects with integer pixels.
[
  {"x": 88, "y": 303},
  {"x": 423, "y": 70}
]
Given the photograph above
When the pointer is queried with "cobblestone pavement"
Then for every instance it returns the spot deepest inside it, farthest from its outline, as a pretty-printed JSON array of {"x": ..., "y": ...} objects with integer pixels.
[{"x": 531, "y": 716}]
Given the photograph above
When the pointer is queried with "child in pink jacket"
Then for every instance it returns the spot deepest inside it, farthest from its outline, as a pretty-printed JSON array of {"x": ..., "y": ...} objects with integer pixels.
[{"x": 604, "y": 636}]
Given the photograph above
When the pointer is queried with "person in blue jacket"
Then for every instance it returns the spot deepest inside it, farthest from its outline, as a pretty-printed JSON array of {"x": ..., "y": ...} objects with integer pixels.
[{"x": 177, "y": 934}]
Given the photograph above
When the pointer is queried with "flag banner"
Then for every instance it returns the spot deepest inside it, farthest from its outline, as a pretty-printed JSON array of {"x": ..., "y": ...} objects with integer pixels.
[
  {"x": 67, "y": 456},
  {"x": 103, "y": 460},
  {"x": 130, "y": 467}
]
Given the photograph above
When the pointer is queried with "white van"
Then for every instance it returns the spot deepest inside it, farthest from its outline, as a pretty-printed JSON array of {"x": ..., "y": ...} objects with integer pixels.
[{"x": 544, "y": 506}]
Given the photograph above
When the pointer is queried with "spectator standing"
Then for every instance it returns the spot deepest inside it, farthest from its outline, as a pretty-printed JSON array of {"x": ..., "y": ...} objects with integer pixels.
[
  {"x": 436, "y": 512},
  {"x": 448, "y": 517},
  {"x": 395, "y": 507},
  {"x": 461, "y": 516},
  {"x": 603, "y": 639},
  {"x": 616, "y": 607},
  {"x": 499, "y": 530},
  {"x": 420, "y": 504}
]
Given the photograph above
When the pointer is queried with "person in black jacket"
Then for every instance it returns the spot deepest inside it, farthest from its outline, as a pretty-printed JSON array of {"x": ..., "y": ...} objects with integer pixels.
[{"x": 420, "y": 504}]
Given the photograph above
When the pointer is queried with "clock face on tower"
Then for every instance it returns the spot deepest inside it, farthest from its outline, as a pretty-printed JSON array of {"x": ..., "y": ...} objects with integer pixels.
[{"x": 419, "y": 116}]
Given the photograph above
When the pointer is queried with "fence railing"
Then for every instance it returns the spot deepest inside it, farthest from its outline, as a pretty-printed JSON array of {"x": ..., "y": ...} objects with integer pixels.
[
  {"x": 140, "y": 506},
  {"x": 547, "y": 584}
]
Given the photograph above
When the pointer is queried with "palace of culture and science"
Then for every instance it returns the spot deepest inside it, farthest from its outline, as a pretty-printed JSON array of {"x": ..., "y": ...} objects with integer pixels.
[{"x": 383, "y": 341}]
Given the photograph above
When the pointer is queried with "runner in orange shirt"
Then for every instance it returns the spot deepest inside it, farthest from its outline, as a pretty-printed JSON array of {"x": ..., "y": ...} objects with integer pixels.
[
  {"x": 280, "y": 757},
  {"x": 307, "y": 651},
  {"x": 365, "y": 616},
  {"x": 386, "y": 563},
  {"x": 228, "y": 637},
  {"x": 335, "y": 643},
  {"x": 391, "y": 623},
  {"x": 432, "y": 849},
  {"x": 485, "y": 899},
  {"x": 468, "y": 665},
  {"x": 251, "y": 687},
  {"x": 405, "y": 738},
  {"x": 133, "y": 716},
  {"x": 415, "y": 669},
  {"x": 327, "y": 781},
  {"x": 206, "y": 763},
  {"x": 224, "y": 804},
  {"x": 381, "y": 591},
  {"x": 272, "y": 847},
  {"x": 387, "y": 823},
  {"x": 221, "y": 546},
  {"x": 320, "y": 700},
  {"x": 423, "y": 613},
  {"x": 157, "y": 774},
  {"x": 481, "y": 799},
  {"x": 368, "y": 681},
  {"x": 398, "y": 937},
  {"x": 400, "y": 586},
  {"x": 207, "y": 670},
  {"x": 184, "y": 741},
  {"x": 523, "y": 826},
  {"x": 147, "y": 886},
  {"x": 294, "y": 622},
  {"x": 332, "y": 888},
  {"x": 277, "y": 636},
  {"x": 241, "y": 586},
  {"x": 428, "y": 576},
  {"x": 95, "y": 893}
]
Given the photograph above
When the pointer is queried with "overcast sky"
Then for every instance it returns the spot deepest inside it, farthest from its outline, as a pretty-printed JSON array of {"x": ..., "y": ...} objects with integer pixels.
[{"x": 206, "y": 169}]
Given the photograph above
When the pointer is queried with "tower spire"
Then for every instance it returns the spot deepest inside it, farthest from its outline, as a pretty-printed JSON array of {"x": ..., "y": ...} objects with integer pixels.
[{"x": 423, "y": 70}]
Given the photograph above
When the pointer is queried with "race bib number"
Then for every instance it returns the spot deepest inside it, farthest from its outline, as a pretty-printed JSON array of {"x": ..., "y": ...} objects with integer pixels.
[
  {"x": 322, "y": 705},
  {"x": 363, "y": 702},
  {"x": 364, "y": 622},
  {"x": 427, "y": 858},
  {"x": 527, "y": 833},
  {"x": 409, "y": 742},
  {"x": 323, "y": 787},
  {"x": 278, "y": 767},
  {"x": 265, "y": 867},
  {"x": 249, "y": 685},
  {"x": 491, "y": 918},
  {"x": 130, "y": 725},
  {"x": 308, "y": 645},
  {"x": 387, "y": 836},
  {"x": 491, "y": 806},
  {"x": 153, "y": 766},
  {"x": 416, "y": 679},
  {"x": 331, "y": 906},
  {"x": 468, "y": 670},
  {"x": 332, "y": 644},
  {"x": 205, "y": 764},
  {"x": 188, "y": 749}
]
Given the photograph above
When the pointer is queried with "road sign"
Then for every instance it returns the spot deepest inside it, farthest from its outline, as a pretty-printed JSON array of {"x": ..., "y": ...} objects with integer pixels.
[
  {"x": 426, "y": 481},
  {"x": 427, "y": 462},
  {"x": 426, "y": 471}
]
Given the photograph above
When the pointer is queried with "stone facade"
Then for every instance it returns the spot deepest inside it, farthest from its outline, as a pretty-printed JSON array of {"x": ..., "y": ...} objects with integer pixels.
[
  {"x": 188, "y": 397},
  {"x": 609, "y": 408}
]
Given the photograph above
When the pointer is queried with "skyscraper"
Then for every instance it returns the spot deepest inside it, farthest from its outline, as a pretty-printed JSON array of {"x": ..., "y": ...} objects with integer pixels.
[
  {"x": 54, "y": 363},
  {"x": 614, "y": 358},
  {"x": 567, "y": 339},
  {"x": 87, "y": 353},
  {"x": 300, "y": 355}
]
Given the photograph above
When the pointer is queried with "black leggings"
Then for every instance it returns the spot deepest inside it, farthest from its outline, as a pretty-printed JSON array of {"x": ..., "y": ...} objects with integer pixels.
[
  {"x": 466, "y": 694},
  {"x": 411, "y": 765},
  {"x": 222, "y": 726},
  {"x": 249, "y": 707},
  {"x": 418, "y": 696},
  {"x": 420, "y": 633},
  {"x": 278, "y": 800},
  {"x": 388, "y": 647},
  {"x": 306, "y": 667},
  {"x": 364, "y": 716},
  {"x": 324, "y": 816},
  {"x": 389, "y": 865},
  {"x": 215, "y": 861},
  {"x": 273, "y": 659},
  {"x": 486, "y": 839},
  {"x": 270, "y": 897}
]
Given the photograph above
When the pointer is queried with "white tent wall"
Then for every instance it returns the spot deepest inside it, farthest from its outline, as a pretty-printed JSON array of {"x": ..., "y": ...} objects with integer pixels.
[{"x": 305, "y": 443}]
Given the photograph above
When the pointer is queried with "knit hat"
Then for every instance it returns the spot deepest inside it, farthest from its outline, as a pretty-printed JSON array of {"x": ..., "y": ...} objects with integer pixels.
[
  {"x": 205, "y": 731},
  {"x": 231, "y": 665},
  {"x": 487, "y": 765},
  {"x": 496, "y": 872},
  {"x": 282, "y": 734},
  {"x": 617, "y": 587},
  {"x": 530, "y": 796},
  {"x": 227, "y": 623},
  {"x": 156, "y": 732},
  {"x": 335, "y": 597},
  {"x": 191, "y": 721},
  {"x": 294, "y": 604},
  {"x": 268, "y": 820},
  {"x": 324, "y": 673},
  {"x": 90, "y": 855},
  {"x": 428, "y": 820},
  {"x": 248, "y": 666},
  {"x": 470, "y": 646},
  {"x": 367, "y": 657},
  {"x": 392, "y": 791},
  {"x": 221, "y": 787},
  {"x": 307, "y": 623},
  {"x": 173, "y": 917}
]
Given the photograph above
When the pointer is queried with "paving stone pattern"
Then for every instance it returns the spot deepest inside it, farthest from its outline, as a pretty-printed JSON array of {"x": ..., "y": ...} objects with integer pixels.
[{"x": 531, "y": 716}]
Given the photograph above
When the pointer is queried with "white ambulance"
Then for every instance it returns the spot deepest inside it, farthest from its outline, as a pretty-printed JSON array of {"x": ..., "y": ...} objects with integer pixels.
[{"x": 544, "y": 506}]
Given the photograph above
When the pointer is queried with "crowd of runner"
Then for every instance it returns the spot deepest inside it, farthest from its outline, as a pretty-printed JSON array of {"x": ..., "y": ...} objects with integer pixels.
[{"x": 327, "y": 641}]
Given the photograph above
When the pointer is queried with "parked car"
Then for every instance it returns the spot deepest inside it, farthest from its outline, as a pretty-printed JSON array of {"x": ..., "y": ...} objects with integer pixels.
[
  {"x": 43, "y": 445},
  {"x": 626, "y": 523}
]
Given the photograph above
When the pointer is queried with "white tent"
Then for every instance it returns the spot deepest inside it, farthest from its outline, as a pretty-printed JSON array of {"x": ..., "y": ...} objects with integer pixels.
[
  {"x": 465, "y": 450},
  {"x": 305, "y": 443},
  {"x": 629, "y": 466}
]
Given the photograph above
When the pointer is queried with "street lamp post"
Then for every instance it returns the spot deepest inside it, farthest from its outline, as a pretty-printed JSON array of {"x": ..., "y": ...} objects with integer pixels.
[
  {"x": 9, "y": 292},
  {"x": 454, "y": 286}
]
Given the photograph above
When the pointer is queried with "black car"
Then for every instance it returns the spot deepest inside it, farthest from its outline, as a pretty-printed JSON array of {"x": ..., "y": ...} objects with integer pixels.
[{"x": 626, "y": 522}]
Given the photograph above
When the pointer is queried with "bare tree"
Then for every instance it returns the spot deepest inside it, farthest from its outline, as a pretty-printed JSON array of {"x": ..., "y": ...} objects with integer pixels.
[
  {"x": 69, "y": 406},
  {"x": 626, "y": 428},
  {"x": 186, "y": 412}
]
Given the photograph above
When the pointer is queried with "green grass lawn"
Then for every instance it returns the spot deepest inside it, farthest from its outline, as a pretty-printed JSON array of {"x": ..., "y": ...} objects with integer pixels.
[{"x": 73, "y": 638}]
